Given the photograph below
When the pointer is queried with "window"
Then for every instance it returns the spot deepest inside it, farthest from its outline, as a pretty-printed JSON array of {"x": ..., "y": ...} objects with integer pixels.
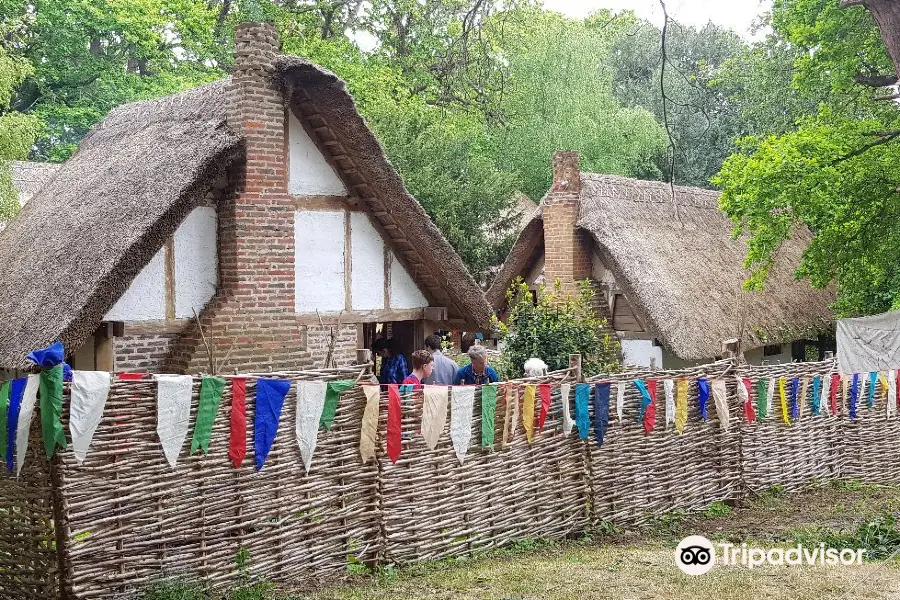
[{"x": 773, "y": 350}]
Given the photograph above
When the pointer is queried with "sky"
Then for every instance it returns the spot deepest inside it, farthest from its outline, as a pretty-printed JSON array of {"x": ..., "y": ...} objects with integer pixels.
[{"x": 734, "y": 14}]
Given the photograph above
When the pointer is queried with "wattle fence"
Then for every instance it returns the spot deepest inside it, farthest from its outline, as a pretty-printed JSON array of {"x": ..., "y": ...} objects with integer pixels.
[{"x": 124, "y": 518}]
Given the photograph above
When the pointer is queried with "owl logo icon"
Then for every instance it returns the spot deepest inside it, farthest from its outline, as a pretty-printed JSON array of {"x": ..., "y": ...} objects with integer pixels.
[{"x": 695, "y": 555}]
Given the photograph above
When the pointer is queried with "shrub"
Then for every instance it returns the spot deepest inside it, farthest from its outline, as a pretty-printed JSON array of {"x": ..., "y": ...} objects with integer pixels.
[{"x": 552, "y": 327}]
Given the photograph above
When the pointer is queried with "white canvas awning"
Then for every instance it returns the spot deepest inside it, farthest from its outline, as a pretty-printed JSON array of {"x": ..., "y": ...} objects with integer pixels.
[{"x": 869, "y": 344}]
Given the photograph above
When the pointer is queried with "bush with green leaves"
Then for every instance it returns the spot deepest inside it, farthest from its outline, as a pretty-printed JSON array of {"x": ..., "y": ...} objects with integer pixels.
[{"x": 552, "y": 326}]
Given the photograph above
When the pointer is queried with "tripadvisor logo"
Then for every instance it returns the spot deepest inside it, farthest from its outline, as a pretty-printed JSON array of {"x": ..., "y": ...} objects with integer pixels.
[{"x": 696, "y": 555}]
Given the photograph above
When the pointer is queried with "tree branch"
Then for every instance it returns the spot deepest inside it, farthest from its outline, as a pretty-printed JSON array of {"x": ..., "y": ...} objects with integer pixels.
[
  {"x": 665, "y": 100},
  {"x": 884, "y": 137}
]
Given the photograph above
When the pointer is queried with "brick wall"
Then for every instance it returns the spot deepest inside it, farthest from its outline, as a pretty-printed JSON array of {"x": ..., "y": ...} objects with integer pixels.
[
  {"x": 143, "y": 353},
  {"x": 567, "y": 249}
]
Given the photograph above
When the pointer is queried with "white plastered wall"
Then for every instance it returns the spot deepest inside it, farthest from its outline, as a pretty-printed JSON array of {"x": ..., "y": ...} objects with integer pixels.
[
  {"x": 320, "y": 266},
  {"x": 196, "y": 262},
  {"x": 309, "y": 173},
  {"x": 196, "y": 274},
  {"x": 641, "y": 353},
  {"x": 319, "y": 261}
]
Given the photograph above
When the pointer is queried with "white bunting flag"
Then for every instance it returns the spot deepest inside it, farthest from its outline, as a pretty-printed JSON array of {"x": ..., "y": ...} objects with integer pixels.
[
  {"x": 369, "y": 432},
  {"x": 434, "y": 413},
  {"x": 173, "y": 413},
  {"x": 720, "y": 397},
  {"x": 310, "y": 403},
  {"x": 825, "y": 398},
  {"x": 90, "y": 389},
  {"x": 770, "y": 396},
  {"x": 26, "y": 411},
  {"x": 892, "y": 394},
  {"x": 669, "y": 386},
  {"x": 568, "y": 423},
  {"x": 461, "y": 403}
]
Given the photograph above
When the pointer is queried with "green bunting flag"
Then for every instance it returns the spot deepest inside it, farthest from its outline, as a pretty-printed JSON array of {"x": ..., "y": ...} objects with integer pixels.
[
  {"x": 211, "y": 389},
  {"x": 762, "y": 400},
  {"x": 4, "y": 409},
  {"x": 488, "y": 410},
  {"x": 51, "y": 391},
  {"x": 332, "y": 395}
]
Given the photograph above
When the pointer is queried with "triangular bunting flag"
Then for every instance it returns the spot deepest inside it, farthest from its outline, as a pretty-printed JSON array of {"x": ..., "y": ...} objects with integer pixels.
[
  {"x": 601, "y": 411},
  {"x": 528, "y": 406},
  {"x": 544, "y": 389},
  {"x": 462, "y": 402},
  {"x": 565, "y": 391},
  {"x": 669, "y": 389},
  {"x": 310, "y": 404},
  {"x": 90, "y": 390},
  {"x": 29, "y": 399},
  {"x": 681, "y": 405},
  {"x": 582, "y": 418},
  {"x": 211, "y": 389},
  {"x": 434, "y": 413},
  {"x": 394, "y": 423},
  {"x": 332, "y": 397},
  {"x": 16, "y": 392},
  {"x": 368, "y": 437},
  {"x": 237, "y": 436},
  {"x": 270, "y": 395},
  {"x": 173, "y": 413},
  {"x": 703, "y": 398},
  {"x": 488, "y": 410},
  {"x": 720, "y": 398},
  {"x": 620, "y": 400}
]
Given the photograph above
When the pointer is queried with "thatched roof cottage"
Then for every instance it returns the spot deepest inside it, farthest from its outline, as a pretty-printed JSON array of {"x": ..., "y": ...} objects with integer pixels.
[
  {"x": 262, "y": 202},
  {"x": 668, "y": 273}
]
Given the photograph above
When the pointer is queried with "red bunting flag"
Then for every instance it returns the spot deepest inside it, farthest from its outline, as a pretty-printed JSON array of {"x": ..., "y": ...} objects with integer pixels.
[
  {"x": 132, "y": 376},
  {"x": 835, "y": 384},
  {"x": 650, "y": 411},
  {"x": 393, "y": 423},
  {"x": 237, "y": 439},
  {"x": 544, "y": 390},
  {"x": 749, "y": 411}
]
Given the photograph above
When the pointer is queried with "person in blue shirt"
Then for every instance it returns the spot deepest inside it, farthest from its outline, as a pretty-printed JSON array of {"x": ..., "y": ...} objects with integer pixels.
[
  {"x": 477, "y": 372},
  {"x": 393, "y": 364}
]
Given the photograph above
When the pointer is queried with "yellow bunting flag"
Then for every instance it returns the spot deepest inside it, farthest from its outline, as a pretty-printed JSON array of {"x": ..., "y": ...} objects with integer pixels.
[
  {"x": 784, "y": 407},
  {"x": 882, "y": 378},
  {"x": 528, "y": 411},
  {"x": 681, "y": 394}
]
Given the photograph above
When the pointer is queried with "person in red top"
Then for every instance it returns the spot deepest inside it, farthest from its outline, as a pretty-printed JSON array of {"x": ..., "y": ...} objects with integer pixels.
[{"x": 423, "y": 365}]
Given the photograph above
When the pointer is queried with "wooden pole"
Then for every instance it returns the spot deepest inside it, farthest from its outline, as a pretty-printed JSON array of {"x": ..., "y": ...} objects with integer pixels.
[{"x": 575, "y": 367}]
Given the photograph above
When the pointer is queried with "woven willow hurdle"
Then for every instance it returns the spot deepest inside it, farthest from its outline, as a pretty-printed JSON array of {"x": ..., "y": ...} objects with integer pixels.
[{"x": 124, "y": 518}]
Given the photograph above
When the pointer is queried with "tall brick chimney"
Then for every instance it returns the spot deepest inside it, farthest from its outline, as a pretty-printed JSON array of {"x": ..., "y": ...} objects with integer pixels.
[
  {"x": 256, "y": 229},
  {"x": 567, "y": 250}
]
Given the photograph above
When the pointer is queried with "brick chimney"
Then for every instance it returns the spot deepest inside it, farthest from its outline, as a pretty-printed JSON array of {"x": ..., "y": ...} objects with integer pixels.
[
  {"x": 256, "y": 228},
  {"x": 567, "y": 249},
  {"x": 252, "y": 315}
]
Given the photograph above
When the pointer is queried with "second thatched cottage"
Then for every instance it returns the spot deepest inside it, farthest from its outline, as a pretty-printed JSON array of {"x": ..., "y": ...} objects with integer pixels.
[
  {"x": 667, "y": 271},
  {"x": 262, "y": 203}
]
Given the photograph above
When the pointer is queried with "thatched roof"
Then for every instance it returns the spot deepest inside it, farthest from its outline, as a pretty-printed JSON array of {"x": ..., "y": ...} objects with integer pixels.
[
  {"x": 29, "y": 177},
  {"x": 78, "y": 243},
  {"x": 684, "y": 274}
]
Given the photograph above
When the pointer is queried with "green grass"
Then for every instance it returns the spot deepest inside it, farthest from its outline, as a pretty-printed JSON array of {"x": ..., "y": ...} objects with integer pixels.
[{"x": 614, "y": 563}]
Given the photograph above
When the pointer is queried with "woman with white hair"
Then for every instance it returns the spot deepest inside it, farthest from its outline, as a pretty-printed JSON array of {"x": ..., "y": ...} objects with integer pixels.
[
  {"x": 535, "y": 367},
  {"x": 477, "y": 372}
]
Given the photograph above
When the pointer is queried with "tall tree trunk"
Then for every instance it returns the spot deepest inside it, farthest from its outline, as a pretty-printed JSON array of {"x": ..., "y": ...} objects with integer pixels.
[{"x": 887, "y": 15}]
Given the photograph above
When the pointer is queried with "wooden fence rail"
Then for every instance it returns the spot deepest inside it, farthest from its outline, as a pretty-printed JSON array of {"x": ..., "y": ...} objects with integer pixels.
[{"x": 124, "y": 518}]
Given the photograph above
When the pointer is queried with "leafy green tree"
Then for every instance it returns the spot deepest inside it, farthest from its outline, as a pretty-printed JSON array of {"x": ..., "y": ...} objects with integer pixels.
[
  {"x": 836, "y": 173},
  {"x": 560, "y": 98},
  {"x": 17, "y": 131},
  {"x": 552, "y": 327},
  {"x": 702, "y": 123}
]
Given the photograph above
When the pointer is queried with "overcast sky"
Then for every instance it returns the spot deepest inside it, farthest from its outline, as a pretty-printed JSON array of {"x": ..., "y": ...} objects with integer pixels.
[{"x": 734, "y": 14}]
